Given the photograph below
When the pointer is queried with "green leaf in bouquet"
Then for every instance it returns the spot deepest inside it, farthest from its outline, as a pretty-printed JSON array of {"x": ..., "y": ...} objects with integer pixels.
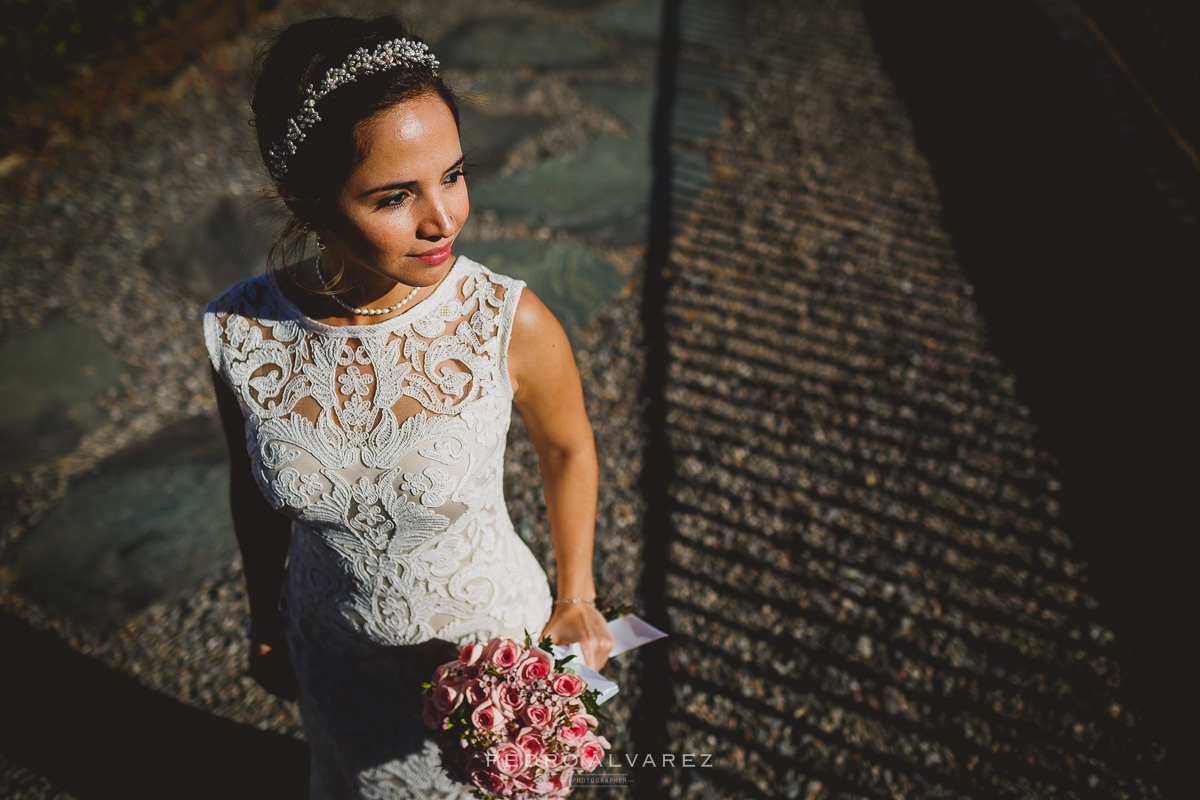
[{"x": 588, "y": 698}]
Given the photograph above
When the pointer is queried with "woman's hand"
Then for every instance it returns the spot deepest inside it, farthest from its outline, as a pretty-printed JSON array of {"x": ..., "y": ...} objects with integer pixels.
[
  {"x": 271, "y": 668},
  {"x": 581, "y": 622}
]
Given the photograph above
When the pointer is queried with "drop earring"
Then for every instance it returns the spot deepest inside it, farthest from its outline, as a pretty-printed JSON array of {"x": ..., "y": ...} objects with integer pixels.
[{"x": 320, "y": 241}]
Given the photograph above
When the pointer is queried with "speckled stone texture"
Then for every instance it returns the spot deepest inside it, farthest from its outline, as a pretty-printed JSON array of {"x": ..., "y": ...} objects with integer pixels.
[{"x": 869, "y": 592}]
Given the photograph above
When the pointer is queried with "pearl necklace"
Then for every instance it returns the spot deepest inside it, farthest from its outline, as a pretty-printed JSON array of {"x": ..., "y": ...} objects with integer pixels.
[{"x": 362, "y": 312}]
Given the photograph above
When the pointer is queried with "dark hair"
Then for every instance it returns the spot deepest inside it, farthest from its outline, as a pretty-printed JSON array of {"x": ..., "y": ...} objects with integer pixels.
[{"x": 301, "y": 55}]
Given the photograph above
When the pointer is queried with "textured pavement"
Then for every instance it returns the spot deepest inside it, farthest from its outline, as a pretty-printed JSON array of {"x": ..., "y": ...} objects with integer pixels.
[{"x": 870, "y": 591}]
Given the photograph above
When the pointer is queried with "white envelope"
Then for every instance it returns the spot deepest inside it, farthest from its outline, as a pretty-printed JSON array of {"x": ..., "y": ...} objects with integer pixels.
[{"x": 631, "y": 631}]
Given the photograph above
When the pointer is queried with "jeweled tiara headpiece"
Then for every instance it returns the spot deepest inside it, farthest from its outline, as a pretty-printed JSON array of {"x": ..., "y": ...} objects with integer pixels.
[{"x": 389, "y": 55}]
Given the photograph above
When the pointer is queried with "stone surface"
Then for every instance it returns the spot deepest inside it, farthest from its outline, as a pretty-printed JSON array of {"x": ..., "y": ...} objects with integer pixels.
[
  {"x": 640, "y": 19},
  {"x": 145, "y": 526},
  {"x": 569, "y": 4},
  {"x": 601, "y": 191},
  {"x": 632, "y": 104},
  {"x": 50, "y": 381},
  {"x": 573, "y": 283},
  {"x": 712, "y": 23},
  {"x": 696, "y": 117},
  {"x": 705, "y": 77},
  {"x": 226, "y": 242},
  {"x": 487, "y": 139},
  {"x": 517, "y": 42}
]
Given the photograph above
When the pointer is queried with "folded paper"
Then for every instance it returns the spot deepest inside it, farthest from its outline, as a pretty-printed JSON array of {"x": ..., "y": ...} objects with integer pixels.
[{"x": 631, "y": 631}]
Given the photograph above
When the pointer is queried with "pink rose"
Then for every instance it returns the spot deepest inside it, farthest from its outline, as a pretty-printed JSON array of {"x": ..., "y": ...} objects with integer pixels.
[
  {"x": 503, "y": 654},
  {"x": 537, "y": 716},
  {"x": 574, "y": 731},
  {"x": 488, "y": 717},
  {"x": 447, "y": 696},
  {"x": 475, "y": 692},
  {"x": 591, "y": 752},
  {"x": 509, "y": 759},
  {"x": 568, "y": 685},
  {"x": 537, "y": 664},
  {"x": 431, "y": 716},
  {"x": 470, "y": 654},
  {"x": 530, "y": 741},
  {"x": 488, "y": 781},
  {"x": 508, "y": 697}
]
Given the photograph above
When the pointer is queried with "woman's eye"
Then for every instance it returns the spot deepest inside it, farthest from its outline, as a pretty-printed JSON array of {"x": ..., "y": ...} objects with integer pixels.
[
  {"x": 454, "y": 176},
  {"x": 393, "y": 200}
]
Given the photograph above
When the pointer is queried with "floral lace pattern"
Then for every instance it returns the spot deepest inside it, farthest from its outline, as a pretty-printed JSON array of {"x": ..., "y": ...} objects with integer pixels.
[{"x": 384, "y": 443}]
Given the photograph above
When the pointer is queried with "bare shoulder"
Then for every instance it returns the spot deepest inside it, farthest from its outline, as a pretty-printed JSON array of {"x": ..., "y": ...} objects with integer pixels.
[{"x": 537, "y": 338}]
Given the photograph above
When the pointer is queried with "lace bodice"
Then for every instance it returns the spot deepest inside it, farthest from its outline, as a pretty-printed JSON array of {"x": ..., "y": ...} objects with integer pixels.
[
  {"x": 388, "y": 438},
  {"x": 384, "y": 443}
]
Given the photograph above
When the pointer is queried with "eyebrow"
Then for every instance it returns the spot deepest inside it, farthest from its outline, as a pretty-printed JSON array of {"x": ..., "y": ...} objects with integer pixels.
[{"x": 391, "y": 187}]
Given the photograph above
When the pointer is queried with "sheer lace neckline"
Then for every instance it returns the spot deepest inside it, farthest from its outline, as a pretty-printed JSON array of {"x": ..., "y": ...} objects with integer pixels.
[{"x": 448, "y": 286}]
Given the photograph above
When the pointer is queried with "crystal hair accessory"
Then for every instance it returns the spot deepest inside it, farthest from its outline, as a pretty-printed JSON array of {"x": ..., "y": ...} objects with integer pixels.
[{"x": 387, "y": 56}]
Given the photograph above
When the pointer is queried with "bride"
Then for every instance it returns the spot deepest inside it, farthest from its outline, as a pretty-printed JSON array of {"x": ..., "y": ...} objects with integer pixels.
[{"x": 366, "y": 395}]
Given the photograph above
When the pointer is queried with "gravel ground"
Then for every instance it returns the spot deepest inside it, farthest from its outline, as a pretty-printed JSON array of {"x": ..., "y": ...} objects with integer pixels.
[{"x": 866, "y": 587}]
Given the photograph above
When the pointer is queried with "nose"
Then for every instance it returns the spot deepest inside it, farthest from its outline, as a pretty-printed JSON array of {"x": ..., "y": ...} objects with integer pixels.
[{"x": 436, "y": 222}]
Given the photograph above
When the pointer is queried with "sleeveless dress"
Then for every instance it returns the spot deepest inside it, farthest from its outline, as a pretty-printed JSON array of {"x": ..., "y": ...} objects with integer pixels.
[{"x": 384, "y": 444}]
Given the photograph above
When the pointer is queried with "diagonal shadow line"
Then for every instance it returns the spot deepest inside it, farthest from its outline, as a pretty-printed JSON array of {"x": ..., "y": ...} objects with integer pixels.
[
  {"x": 903, "y": 464},
  {"x": 98, "y": 733},
  {"x": 961, "y": 526},
  {"x": 986, "y": 682},
  {"x": 1002, "y": 544},
  {"x": 1009, "y": 653},
  {"x": 821, "y": 315},
  {"x": 822, "y": 455},
  {"x": 809, "y": 278},
  {"x": 753, "y": 370},
  {"x": 785, "y": 420},
  {"x": 827, "y": 307},
  {"x": 937, "y": 727},
  {"x": 725, "y": 359}
]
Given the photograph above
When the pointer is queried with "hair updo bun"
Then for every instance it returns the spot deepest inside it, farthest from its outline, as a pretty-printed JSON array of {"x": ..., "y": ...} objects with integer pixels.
[{"x": 300, "y": 56}]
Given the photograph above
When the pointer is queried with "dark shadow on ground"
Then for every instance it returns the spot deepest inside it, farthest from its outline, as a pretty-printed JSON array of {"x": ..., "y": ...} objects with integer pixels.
[
  {"x": 1086, "y": 278},
  {"x": 97, "y": 733}
]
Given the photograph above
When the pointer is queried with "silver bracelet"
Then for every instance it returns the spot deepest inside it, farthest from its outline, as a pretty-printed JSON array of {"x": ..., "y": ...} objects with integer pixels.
[{"x": 574, "y": 600}]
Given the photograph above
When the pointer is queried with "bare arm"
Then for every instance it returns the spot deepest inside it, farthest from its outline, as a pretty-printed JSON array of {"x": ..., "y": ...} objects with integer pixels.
[{"x": 549, "y": 397}]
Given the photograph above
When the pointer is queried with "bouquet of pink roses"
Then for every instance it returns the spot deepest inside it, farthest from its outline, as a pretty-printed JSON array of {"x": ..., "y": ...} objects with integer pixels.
[{"x": 512, "y": 720}]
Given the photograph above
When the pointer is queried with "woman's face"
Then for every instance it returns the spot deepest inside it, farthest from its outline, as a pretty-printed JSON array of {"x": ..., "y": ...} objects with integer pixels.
[{"x": 405, "y": 201}]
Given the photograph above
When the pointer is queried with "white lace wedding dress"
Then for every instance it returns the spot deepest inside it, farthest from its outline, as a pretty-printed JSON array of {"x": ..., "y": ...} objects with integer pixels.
[{"x": 384, "y": 443}]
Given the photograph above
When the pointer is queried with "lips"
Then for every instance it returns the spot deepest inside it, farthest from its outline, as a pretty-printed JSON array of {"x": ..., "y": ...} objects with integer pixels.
[{"x": 435, "y": 256}]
